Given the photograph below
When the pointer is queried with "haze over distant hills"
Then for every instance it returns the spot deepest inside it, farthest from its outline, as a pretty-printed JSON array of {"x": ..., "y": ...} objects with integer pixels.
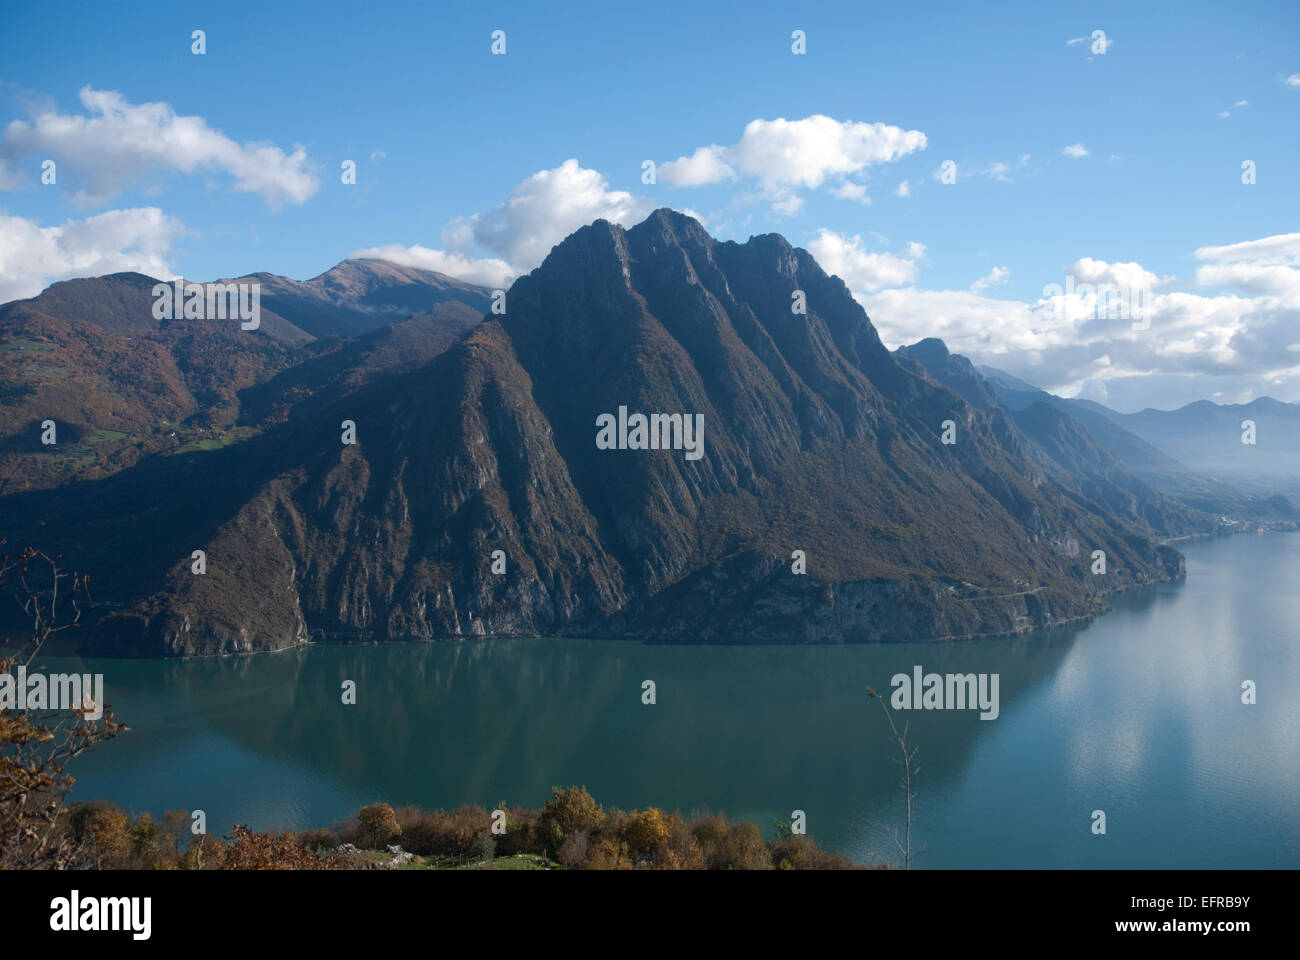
[
  {"x": 1203, "y": 438},
  {"x": 477, "y": 447}
]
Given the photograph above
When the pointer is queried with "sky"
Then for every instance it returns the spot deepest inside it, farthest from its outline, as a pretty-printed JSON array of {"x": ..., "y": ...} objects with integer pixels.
[{"x": 965, "y": 168}]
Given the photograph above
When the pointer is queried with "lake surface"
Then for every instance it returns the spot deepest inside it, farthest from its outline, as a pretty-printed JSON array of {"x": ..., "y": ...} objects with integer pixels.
[{"x": 1138, "y": 714}]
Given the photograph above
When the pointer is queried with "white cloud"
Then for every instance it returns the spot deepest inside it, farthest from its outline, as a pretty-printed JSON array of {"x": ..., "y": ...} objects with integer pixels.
[
  {"x": 1293, "y": 80},
  {"x": 1283, "y": 248},
  {"x": 32, "y": 256},
  {"x": 116, "y": 145},
  {"x": 1269, "y": 267},
  {"x": 785, "y": 156},
  {"x": 516, "y": 235},
  {"x": 706, "y": 165},
  {"x": 848, "y": 259},
  {"x": 803, "y": 153},
  {"x": 545, "y": 209},
  {"x": 489, "y": 271},
  {"x": 994, "y": 278},
  {"x": 788, "y": 205},
  {"x": 904, "y": 189},
  {"x": 1126, "y": 275},
  {"x": 852, "y": 191},
  {"x": 1243, "y": 342},
  {"x": 1075, "y": 150}
]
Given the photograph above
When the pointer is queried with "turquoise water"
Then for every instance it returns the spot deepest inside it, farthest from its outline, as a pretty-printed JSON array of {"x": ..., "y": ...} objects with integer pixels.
[{"x": 1138, "y": 714}]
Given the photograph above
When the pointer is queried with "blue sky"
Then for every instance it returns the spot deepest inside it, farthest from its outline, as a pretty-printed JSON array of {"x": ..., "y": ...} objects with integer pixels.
[{"x": 443, "y": 133}]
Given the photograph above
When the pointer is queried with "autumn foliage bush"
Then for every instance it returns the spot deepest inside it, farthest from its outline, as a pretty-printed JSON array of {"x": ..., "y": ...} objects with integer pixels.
[{"x": 571, "y": 830}]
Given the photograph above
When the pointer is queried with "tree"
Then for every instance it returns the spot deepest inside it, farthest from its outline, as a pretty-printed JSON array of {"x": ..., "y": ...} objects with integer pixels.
[
  {"x": 644, "y": 832},
  {"x": 379, "y": 826},
  {"x": 909, "y": 772},
  {"x": 36, "y": 744},
  {"x": 570, "y": 810}
]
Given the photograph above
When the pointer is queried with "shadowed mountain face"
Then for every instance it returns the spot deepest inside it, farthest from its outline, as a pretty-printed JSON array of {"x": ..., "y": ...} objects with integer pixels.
[
  {"x": 815, "y": 439},
  {"x": 1067, "y": 449}
]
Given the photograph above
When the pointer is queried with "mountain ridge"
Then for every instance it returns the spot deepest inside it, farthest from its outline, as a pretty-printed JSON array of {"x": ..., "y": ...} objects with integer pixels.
[{"x": 819, "y": 440}]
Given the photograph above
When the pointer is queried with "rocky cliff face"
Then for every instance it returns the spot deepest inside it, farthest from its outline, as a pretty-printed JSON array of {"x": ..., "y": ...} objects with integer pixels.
[{"x": 826, "y": 504}]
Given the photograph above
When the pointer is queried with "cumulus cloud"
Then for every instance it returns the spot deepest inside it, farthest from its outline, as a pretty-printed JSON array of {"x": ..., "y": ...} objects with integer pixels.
[
  {"x": 32, "y": 256},
  {"x": 904, "y": 189},
  {"x": 785, "y": 156},
  {"x": 706, "y": 165},
  {"x": 1239, "y": 340},
  {"x": 115, "y": 145},
  {"x": 543, "y": 210},
  {"x": 1075, "y": 150},
  {"x": 1293, "y": 80},
  {"x": 516, "y": 235},
  {"x": 862, "y": 269}
]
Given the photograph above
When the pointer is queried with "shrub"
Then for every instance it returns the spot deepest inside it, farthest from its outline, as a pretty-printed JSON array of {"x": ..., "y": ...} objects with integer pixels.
[
  {"x": 802, "y": 853},
  {"x": 741, "y": 847},
  {"x": 608, "y": 854},
  {"x": 645, "y": 832},
  {"x": 574, "y": 851},
  {"x": 379, "y": 826},
  {"x": 484, "y": 846},
  {"x": 569, "y": 811},
  {"x": 106, "y": 830}
]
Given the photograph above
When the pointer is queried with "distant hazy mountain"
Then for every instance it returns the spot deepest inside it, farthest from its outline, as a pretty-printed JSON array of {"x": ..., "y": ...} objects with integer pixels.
[
  {"x": 121, "y": 384},
  {"x": 1208, "y": 436},
  {"x": 815, "y": 439},
  {"x": 1194, "y": 453}
]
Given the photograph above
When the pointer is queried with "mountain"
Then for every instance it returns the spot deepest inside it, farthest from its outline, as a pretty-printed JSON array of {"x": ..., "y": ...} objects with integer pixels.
[
  {"x": 360, "y": 295},
  {"x": 1060, "y": 442},
  {"x": 1243, "y": 496},
  {"x": 952, "y": 370},
  {"x": 817, "y": 441},
  {"x": 122, "y": 384},
  {"x": 1209, "y": 435}
]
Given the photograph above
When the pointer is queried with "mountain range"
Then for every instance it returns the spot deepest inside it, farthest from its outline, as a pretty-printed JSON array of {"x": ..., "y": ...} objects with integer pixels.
[
  {"x": 844, "y": 492},
  {"x": 123, "y": 384}
]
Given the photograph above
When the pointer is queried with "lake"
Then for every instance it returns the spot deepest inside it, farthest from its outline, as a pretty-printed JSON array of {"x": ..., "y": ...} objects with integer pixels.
[{"x": 1138, "y": 714}]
